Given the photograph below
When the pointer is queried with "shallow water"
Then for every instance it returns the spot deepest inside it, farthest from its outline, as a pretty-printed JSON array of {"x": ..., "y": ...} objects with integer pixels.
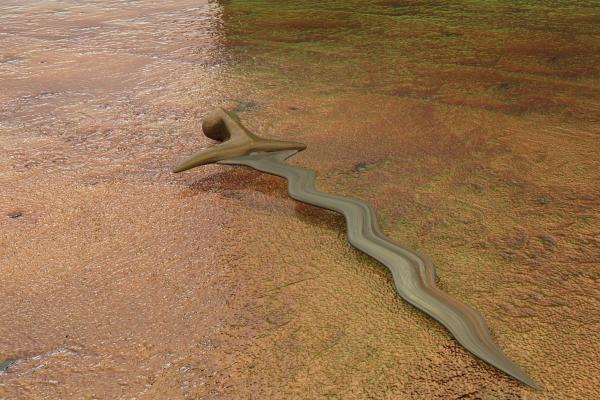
[{"x": 472, "y": 127}]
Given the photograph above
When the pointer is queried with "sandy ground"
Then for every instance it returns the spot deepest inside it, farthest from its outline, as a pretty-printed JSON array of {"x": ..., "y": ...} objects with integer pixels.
[{"x": 476, "y": 141}]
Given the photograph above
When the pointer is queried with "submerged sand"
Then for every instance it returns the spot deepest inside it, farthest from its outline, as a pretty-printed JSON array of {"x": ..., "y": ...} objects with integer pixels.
[{"x": 475, "y": 139}]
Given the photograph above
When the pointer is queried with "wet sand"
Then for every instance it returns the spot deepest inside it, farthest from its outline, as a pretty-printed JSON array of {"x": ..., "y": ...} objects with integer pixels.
[{"x": 473, "y": 130}]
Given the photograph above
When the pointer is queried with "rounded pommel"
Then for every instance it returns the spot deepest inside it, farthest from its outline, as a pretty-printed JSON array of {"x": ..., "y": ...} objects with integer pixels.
[
  {"x": 214, "y": 125},
  {"x": 225, "y": 127}
]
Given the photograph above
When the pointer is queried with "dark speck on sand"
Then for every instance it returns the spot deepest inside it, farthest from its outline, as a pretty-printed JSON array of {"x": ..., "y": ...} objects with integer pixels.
[{"x": 4, "y": 365}]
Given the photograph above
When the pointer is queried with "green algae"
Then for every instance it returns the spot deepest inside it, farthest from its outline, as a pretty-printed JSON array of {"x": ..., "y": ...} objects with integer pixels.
[{"x": 385, "y": 46}]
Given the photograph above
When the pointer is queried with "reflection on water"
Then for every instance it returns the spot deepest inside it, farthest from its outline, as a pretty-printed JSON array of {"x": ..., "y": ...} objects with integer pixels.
[
  {"x": 93, "y": 86},
  {"x": 473, "y": 128}
]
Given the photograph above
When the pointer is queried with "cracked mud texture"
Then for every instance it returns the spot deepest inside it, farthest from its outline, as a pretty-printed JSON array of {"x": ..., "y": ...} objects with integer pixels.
[{"x": 472, "y": 128}]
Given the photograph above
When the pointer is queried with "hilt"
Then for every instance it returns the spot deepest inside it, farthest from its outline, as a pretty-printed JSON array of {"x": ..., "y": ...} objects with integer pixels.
[{"x": 236, "y": 140}]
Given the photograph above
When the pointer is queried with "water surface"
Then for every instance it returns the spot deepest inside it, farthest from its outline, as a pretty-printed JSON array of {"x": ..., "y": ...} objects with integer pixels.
[{"x": 472, "y": 127}]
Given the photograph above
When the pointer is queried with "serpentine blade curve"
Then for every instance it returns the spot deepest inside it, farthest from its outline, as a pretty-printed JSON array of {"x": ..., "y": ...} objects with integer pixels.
[{"x": 413, "y": 274}]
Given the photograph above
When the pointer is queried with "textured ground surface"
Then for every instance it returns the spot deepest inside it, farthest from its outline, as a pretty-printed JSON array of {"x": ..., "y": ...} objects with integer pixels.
[{"x": 474, "y": 129}]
